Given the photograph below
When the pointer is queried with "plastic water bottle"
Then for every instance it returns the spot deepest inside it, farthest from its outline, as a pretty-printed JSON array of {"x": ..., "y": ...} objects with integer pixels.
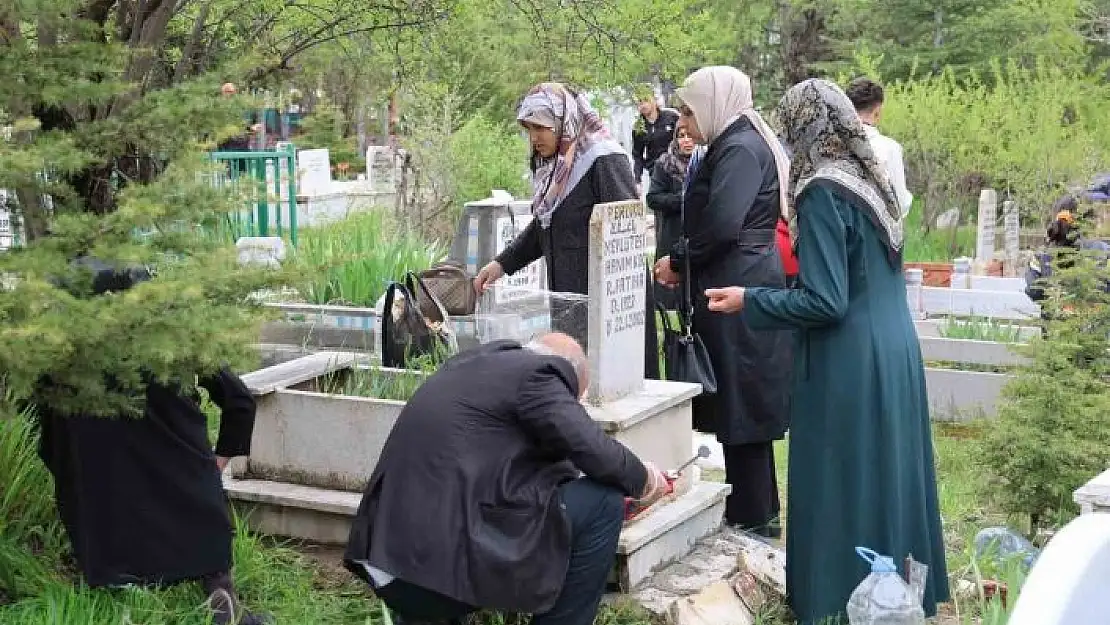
[
  {"x": 1004, "y": 545},
  {"x": 883, "y": 597}
]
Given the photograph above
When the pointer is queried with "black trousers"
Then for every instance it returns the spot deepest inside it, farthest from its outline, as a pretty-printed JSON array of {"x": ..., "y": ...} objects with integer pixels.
[
  {"x": 754, "y": 501},
  {"x": 596, "y": 514}
]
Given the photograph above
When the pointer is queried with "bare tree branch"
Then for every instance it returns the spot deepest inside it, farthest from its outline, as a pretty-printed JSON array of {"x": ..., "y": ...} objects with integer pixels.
[{"x": 189, "y": 51}]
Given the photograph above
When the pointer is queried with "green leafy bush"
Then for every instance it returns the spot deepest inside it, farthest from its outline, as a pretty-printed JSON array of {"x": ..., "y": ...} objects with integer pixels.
[
  {"x": 1029, "y": 133},
  {"x": 486, "y": 155}
]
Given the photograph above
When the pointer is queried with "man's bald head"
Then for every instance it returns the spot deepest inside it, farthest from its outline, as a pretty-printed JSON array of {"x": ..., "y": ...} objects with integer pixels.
[
  {"x": 564, "y": 346},
  {"x": 229, "y": 89}
]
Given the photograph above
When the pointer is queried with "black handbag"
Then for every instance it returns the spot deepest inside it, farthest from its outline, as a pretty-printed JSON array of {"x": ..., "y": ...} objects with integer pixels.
[
  {"x": 407, "y": 332},
  {"x": 684, "y": 353}
]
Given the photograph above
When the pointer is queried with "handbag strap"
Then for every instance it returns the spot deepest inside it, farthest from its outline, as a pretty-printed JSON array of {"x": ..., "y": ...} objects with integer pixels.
[
  {"x": 664, "y": 313},
  {"x": 686, "y": 315}
]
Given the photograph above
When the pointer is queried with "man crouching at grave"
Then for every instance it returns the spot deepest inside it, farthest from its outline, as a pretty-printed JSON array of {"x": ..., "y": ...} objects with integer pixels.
[{"x": 479, "y": 499}]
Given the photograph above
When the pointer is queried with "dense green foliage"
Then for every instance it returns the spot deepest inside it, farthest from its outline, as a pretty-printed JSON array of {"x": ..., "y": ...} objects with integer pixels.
[
  {"x": 1031, "y": 134},
  {"x": 1053, "y": 432}
]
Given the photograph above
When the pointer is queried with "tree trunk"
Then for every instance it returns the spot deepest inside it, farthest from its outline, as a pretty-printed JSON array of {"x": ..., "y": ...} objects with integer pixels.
[{"x": 803, "y": 41}]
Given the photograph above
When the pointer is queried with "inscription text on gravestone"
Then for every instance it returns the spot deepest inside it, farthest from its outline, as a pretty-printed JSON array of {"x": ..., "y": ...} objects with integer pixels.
[{"x": 618, "y": 299}]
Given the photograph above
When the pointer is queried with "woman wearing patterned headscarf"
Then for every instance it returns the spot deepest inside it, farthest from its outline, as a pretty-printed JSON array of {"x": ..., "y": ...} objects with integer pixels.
[
  {"x": 575, "y": 164},
  {"x": 733, "y": 201},
  {"x": 861, "y": 455}
]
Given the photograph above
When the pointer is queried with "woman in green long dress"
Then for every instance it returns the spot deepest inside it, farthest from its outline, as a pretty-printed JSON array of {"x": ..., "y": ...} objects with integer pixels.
[{"x": 861, "y": 454}]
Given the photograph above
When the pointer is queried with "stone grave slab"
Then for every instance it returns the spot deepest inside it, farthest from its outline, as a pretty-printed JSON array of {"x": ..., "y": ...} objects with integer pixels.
[
  {"x": 1070, "y": 582},
  {"x": 1094, "y": 496},
  {"x": 984, "y": 240},
  {"x": 313, "y": 172},
  {"x": 618, "y": 290},
  {"x": 1011, "y": 228}
]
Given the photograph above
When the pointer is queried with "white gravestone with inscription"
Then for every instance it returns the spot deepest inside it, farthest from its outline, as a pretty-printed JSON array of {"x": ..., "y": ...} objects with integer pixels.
[
  {"x": 988, "y": 211},
  {"x": 382, "y": 165},
  {"x": 313, "y": 172},
  {"x": 1011, "y": 227},
  {"x": 527, "y": 282},
  {"x": 618, "y": 299}
]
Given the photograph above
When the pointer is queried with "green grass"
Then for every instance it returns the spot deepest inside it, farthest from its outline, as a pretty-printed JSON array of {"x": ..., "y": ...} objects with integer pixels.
[
  {"x": 37, "y": 581},
  {"x": 964, "y": 509},
  {"x": 981, "y": 329},
  {"x": 936, "y": 245},
  {"x": 375, "y": 382},
  {"x": 350, "y": 262}
]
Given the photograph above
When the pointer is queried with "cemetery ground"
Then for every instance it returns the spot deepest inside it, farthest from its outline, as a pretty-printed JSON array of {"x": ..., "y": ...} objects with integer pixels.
[
  {"x": 304, "y": 584},
  {"x": 347, "y": 263}
]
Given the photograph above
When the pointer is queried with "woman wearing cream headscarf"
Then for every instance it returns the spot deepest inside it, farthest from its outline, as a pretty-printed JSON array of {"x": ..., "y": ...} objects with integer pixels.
[
  {"x": 732, "y": 204},
  {"x": 861, "y": 455}
]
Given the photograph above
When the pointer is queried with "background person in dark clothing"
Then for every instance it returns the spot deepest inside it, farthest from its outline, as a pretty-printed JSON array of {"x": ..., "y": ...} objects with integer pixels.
[
  {"x": 733, "y": 202},
  {"x": 477, "y": 500},
  {"x": 664, "y": 198},
  {"x": 1064, "y": 241},
  {"x": 653, "y": 132},
  {"x": 141, "y": 498},
  {"x": 240, "y": 143}
]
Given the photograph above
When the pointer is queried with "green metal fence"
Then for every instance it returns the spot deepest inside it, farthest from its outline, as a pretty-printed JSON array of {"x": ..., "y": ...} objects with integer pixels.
[{"x": 267, "y": 180}]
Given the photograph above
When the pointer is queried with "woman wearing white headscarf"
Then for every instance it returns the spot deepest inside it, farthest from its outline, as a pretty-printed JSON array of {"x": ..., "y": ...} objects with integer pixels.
[
  {"x": 861, "y": 455},
  {"x": 733, "y": 200}
]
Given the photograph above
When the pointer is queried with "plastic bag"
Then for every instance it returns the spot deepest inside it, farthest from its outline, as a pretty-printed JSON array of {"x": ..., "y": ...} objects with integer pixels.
[
  {"x": 1005, "y": 545},
  {"x": 883, "y": 597}
]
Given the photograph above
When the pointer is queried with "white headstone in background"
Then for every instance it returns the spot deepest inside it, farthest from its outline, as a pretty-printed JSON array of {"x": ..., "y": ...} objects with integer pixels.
[
  {"x": 313, "y": 172},
  {"x": 618, "y": 299},
  {"x": 264, "y": 251},
  {"x": 7, "y": 230},
  {"x": 382, "y": 165},
  {"x": 988, "y": 211},
  {"x": 1011, "y": 227},
  {"x": 527, "y": 282}
]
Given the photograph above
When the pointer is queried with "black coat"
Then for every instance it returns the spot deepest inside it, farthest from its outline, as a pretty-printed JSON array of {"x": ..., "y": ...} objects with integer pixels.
[
  {"x": 141, "y": 498},
  {"x": 732, "y": 208},
  {"x": 464, "y": 499},
  {"x": 565, "y": 246},
  {"x": 664, "y": 197},
  {"x": 653, "y": 141}
]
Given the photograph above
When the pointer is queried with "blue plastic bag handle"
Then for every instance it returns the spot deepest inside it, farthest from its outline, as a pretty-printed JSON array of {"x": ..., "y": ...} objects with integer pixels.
[{"x": 868, "y": 555}]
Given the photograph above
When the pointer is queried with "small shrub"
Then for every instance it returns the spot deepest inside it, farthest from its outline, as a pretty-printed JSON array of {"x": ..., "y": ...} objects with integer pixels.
[{"x": 1053, "y": 428}]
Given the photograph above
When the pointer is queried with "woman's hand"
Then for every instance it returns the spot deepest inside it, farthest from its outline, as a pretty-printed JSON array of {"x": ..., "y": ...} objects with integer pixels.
[
  {"x": 663, "y": 273},
  {"x": 730, "y": 299},
  {"x": 489, "y": 274}
]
